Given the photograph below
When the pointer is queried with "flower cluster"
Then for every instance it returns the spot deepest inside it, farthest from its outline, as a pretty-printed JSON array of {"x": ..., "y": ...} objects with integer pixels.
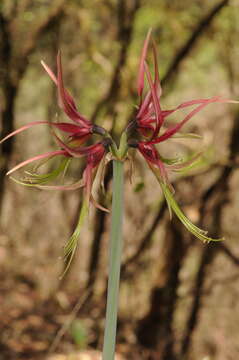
[{"x": 143, "y": 133}]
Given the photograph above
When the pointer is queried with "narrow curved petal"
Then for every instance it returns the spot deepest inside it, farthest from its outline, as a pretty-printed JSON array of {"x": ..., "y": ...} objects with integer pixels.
[
  {"x": 159, "y": 118},
  {"x": 146, "y": 130},
  {"x": 49, "y": 72},
  {"x": 152, "y": 157},
  {"x": 74, "y": 130},
  {"x": 143, "y": 110},
  {"x": 77, "y": 140},
  {"x": 157, "y": 84},
  {"x": 65, "y": 100},
  {"x": 187, "y": 104},
  {"x": 24, "y": 127},
  {"x": 164, "y": 181},
  {"x": 81, "y": 151},
  {"x": 71, "y": 128},
  {"x": 162, "y": 175},
  {"x": 141, "y": 64},
  {"x": 69, "y": 150},
  {"x": 97, "y": 205},
  {"x": 196, "y": 231},
  {"x": 173, "y": 130},
  {"x": 49, "y": 154},
  {"x": 69, "y": 98}
]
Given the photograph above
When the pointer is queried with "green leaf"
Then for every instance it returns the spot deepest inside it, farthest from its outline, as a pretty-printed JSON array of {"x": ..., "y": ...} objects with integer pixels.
[
  {"x": 193, "y": 229},
  {"x": 43, "y": 178},
  {"x": 71, "y": 245},
  {"x": 34, "y": 179}
]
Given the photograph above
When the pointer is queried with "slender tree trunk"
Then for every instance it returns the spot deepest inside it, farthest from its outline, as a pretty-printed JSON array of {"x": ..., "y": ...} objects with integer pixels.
[
  {"x": 12, "y": 69},
  {"x": 9, "y": 94},
  {"x": 155, "y": 330}
]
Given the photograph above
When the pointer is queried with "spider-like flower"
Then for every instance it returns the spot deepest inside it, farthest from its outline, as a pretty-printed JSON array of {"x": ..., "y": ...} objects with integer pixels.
[
  {"x": 76, "y": 132},
  {"x": 146, "y": 132},
  {"x": 143, "y": 133}
]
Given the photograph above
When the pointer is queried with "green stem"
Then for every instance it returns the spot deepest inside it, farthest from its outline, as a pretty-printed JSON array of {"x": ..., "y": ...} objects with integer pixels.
[{"x": 115, "y": 259}]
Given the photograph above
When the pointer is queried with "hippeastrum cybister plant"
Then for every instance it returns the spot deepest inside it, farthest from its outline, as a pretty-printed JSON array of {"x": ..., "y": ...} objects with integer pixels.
[{"x": 143, "y": 133}]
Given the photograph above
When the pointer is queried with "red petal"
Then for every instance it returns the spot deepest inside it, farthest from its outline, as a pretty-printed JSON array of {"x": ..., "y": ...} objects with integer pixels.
[
  {"x": 92, "y": 149},
  {"x": 144, "y": 106},
  {"x": 184, "y": 105},
  {"x": 77, "y": 140},
  {"x": 157, "y": 108},
  {"x": 75, "y": 130},
  {"x": 24, "y": 127},
  {"x": 49, "y": 72},
  {"x": 68, "y": 149},
  {"x": 141, "y": 64},
  {"x": 49, "y": 154},
  {"x": 152, "y": 157},
  {"x": 65, "y": 100},
  {"x": 157, "y": 84},
  {"x": 194, "y": 102},
  {"x": 149, "y": 152},
  {"x": 146, "y": 130},
  {"x": 71, "y": 128},
  {"x": 69, "y": 98},
  {"x": 81, "y": 151},
  {"x": 97, "y": 205},
  {"x": 170, "y": 132}
]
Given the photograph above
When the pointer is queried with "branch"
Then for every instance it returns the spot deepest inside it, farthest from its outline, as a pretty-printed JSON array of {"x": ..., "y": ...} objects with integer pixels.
[
  {"x": 144, "y": 244},
  {"x": 190, "y": 43},
  {"x": 98, "y": 235},
  {"x": 229, "y": 254},
  {"x": 185, "y": 49},
  {"x": 206, "y": 259},
  {"x": 219, "y": 192},
  {"x": 5, "y": 46},
  {"x": 125, "y": 31},
  {"x": 155, "y": 330},
  {"x": 53, "y": 15}
]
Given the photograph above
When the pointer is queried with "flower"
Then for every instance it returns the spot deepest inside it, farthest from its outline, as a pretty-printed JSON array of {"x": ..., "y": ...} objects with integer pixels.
[
  {"x": 147, "y": 125},
  {"x": 76, "y": 133},
  {"x": 143, "y": 133}
]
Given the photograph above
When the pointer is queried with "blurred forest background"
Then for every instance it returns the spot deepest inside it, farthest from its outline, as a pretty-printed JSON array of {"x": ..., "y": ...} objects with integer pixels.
[{"x": 179, "y": 297}]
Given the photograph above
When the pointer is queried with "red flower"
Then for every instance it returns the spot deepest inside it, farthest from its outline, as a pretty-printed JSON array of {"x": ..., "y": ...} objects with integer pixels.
[
  {"x": 150, "y": 116},
  {"x": 78, "y": 132},
  {"x": 147, "y": 125}
]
